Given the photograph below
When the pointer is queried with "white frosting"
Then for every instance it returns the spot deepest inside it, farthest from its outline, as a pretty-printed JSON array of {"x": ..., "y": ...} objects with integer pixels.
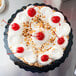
[
  {"x": 56, "y": 52},
  {"x": 56, "y": 14},
  {"x": 46, "y": 11},
  {"x": 63, "y": 30},
  {"x": 33, "y": 26},
  {"x": 22, "y": 17},
  {"x": 16, "y": 39},
  {"x": 28, "y": 54},
  {"x": 30, "y": 57},
  {"x": 48, "y": 46},
  {"x": 40, "y": 42}
]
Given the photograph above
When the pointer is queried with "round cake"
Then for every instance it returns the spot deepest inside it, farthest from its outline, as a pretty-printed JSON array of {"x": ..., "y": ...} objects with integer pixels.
[{"x": 38, "y": 35}]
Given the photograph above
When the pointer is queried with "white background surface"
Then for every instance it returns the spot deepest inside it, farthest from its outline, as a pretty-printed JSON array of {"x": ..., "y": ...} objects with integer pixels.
[{"x": 7, "y": 67}]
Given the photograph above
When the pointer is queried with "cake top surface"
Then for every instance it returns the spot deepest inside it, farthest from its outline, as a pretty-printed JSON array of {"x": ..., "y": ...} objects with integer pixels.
[{"x": 38, "y": 35}]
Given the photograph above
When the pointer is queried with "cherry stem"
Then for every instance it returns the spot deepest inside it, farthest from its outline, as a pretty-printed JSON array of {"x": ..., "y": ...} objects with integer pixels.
[
  {"x": 51, "y": 58},
  {"x": 11, "y": 53},
  {"x": 5, "y": 21},
  {"x": 59, "y": 24},
  {"x": 35, "y": 36},
  {"x": 56, "y": 34}
]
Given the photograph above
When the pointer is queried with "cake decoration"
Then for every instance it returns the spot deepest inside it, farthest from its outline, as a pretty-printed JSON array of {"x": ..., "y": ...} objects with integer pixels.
[
  {"x": 61, "y": 40},
  {"x": 40, "y": 35},
  {"x": 31, "y": 12},
  {"x": 55, "y": 19},
  {"x": 15, "y": 26},
  {"x": 20, "y": 50},
  {"x": 44, "y": 58}
]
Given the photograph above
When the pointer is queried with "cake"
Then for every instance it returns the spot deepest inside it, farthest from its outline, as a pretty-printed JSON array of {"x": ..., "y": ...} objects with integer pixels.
[{"x": 38, "y": 35}]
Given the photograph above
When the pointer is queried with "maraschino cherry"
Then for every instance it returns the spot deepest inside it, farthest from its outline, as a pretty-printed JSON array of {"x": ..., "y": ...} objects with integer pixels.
[
  {"x": 44, "y": 58},
  {"x": 40, "y": 35},
  {"x": 20, "y": 50},
  {"x": 31, "y": 12},
  {"x": 61, "y": 40},
  {"x": 55, "y": 19},
  {"x": 15, "y": 26}
]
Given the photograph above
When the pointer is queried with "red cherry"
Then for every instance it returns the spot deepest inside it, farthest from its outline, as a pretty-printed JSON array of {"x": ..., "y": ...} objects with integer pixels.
[
  {"x": 55, "y": 19},
  {"x": 40, "y": 35},
  {"x": 20, "y": 50},
  {"x": 15, "y": 26},
  {"x": 61, "y": 40},
  {"x": 31, "y": 12},
  {"x": 44, "y": 58}
]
